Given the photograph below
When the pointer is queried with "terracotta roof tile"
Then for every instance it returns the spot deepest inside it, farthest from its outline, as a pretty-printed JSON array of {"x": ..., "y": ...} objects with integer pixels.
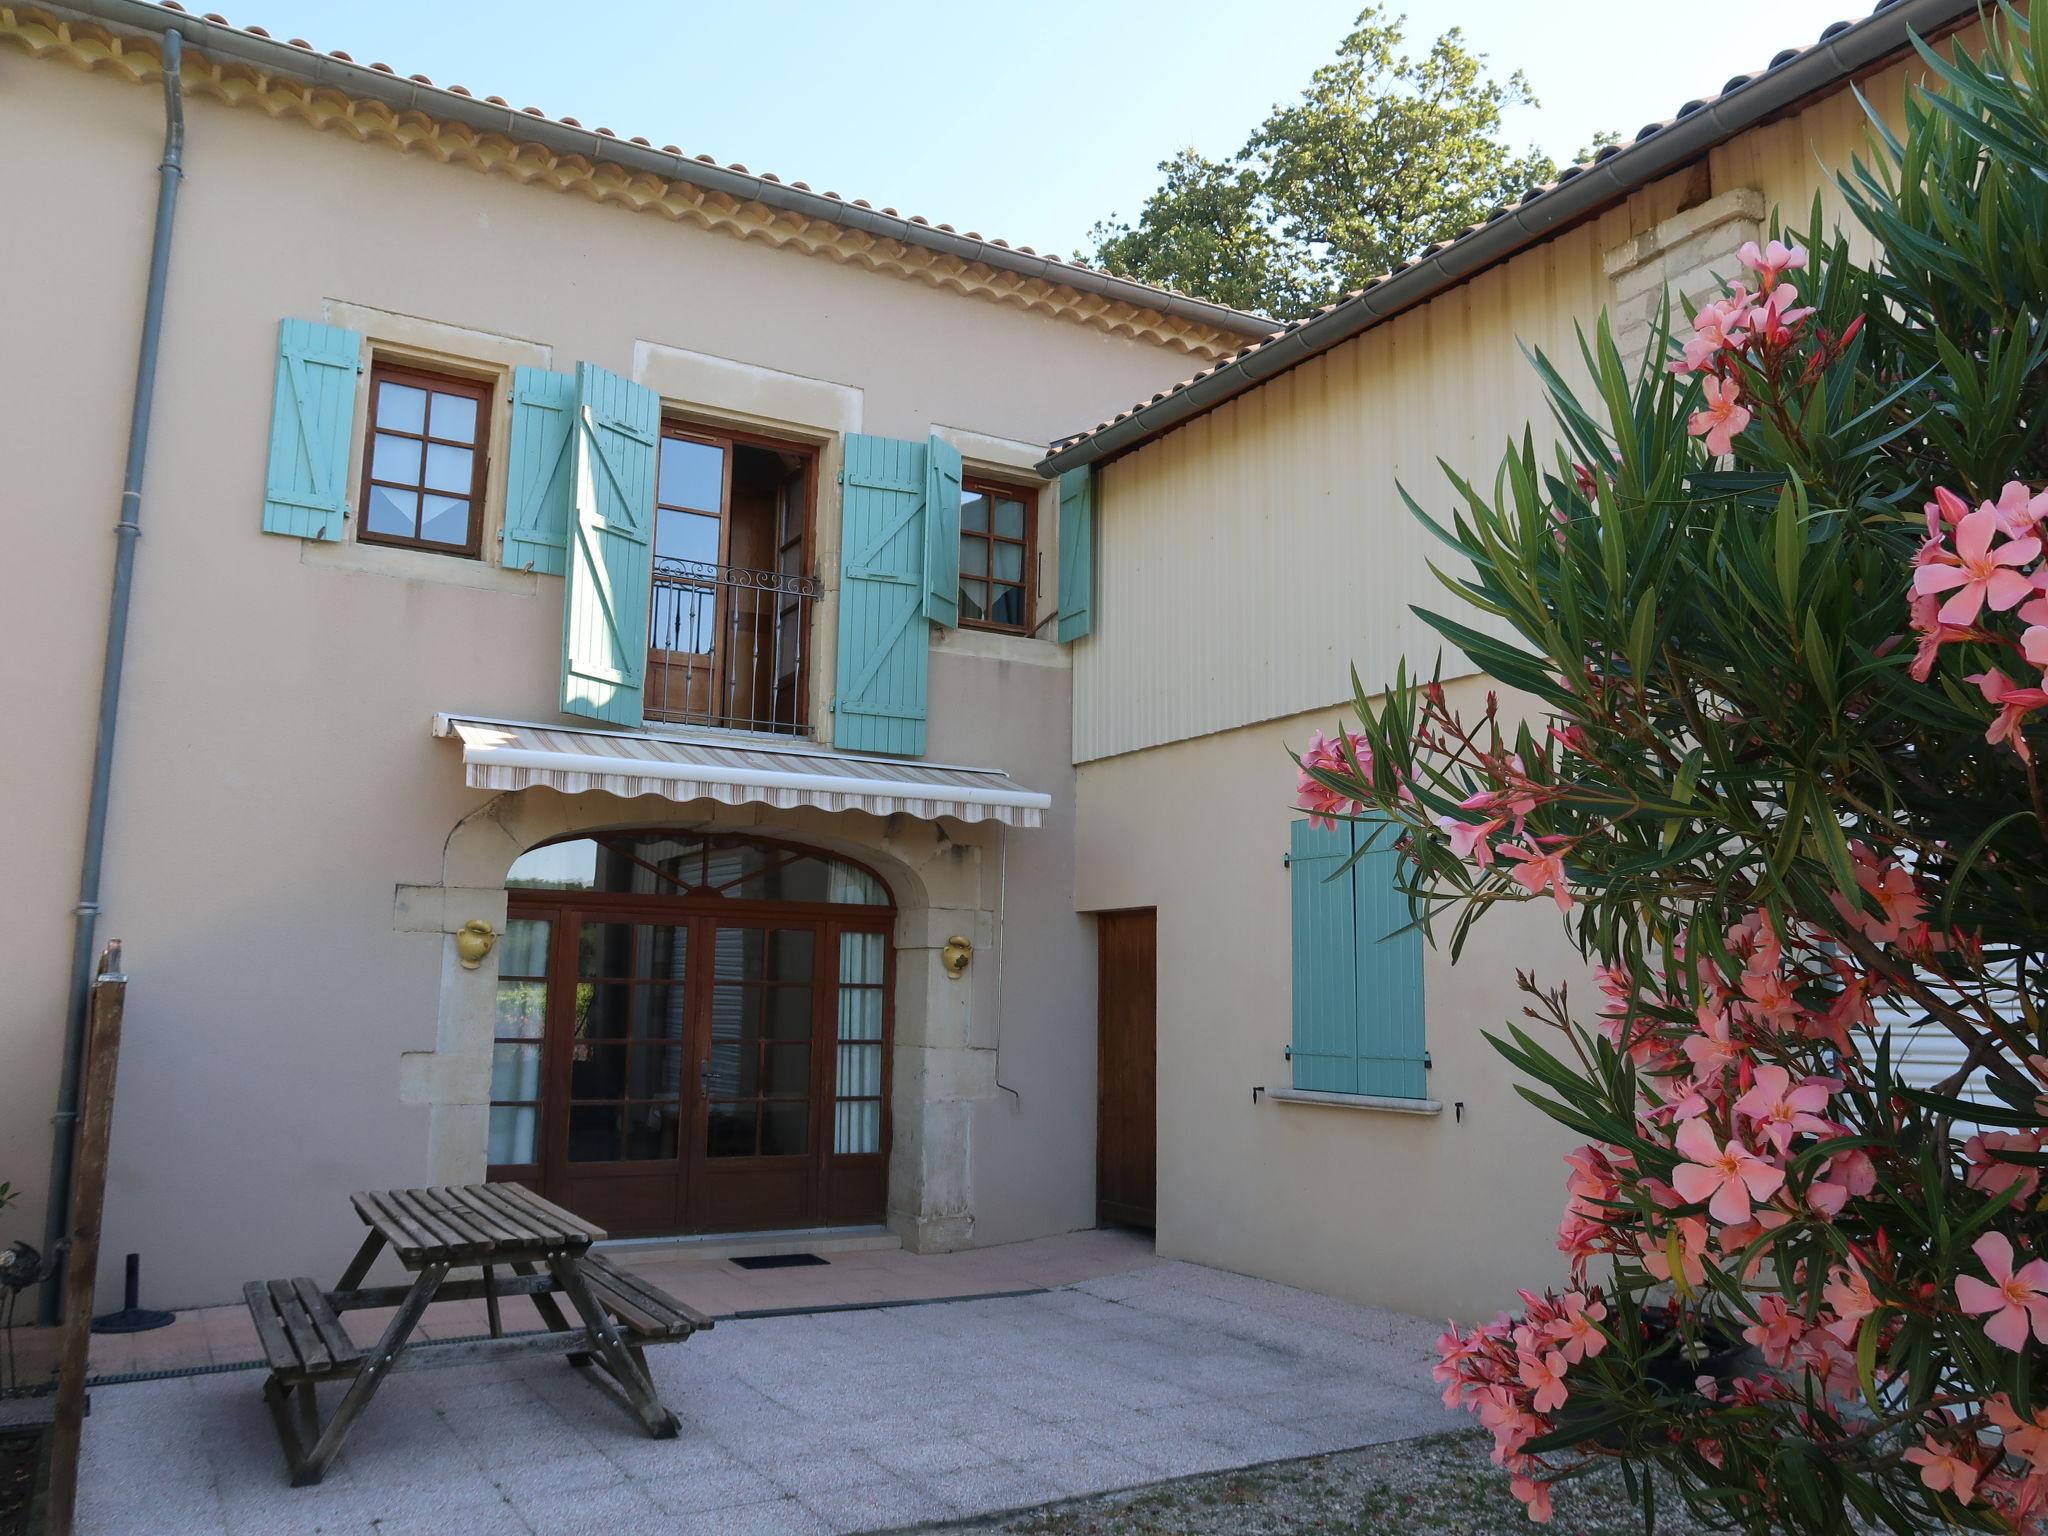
[{"x": 382, "y": 68}]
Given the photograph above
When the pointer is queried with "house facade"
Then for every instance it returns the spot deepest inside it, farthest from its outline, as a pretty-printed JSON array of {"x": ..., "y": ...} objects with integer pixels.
[
  {"x": 1329, "y": 1114},
  {"x": 596, "y": 708}
]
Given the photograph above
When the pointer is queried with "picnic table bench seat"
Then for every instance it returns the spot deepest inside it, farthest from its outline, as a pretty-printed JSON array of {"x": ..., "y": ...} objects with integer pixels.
[
  {"x": 648, "y": 1314},
  {"x": 302, "y": 1335}
]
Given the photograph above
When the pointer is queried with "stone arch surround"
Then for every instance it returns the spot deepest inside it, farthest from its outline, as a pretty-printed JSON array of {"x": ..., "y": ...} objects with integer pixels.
[{"x": 938, "y": 873}]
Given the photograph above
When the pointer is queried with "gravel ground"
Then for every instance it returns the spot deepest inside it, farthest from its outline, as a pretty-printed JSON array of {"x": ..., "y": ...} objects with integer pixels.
[{"x": 1440, "y": 1486}]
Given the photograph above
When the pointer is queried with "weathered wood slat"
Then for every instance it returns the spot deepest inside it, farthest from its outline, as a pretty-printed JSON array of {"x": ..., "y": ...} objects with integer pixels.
[
  {"x": 502, "y": 1232},
  {"x": 332, "y": 1331},
  {"x": 543, "y": 1233},
  {"x": 400, "y": 1232},
  {"x": 269, "y": 1331},
  {"x": 548, "y": 1211},
  {"x": 301, "y": 1334},
  {"x": 447, "y": 1241},
  {"x": 642, "y": 1307},
  {"x": 298, "y": 1326},
  {"x": 465, "y": 1221},
  {"x": 654, "y": 1293},
  {"x": 451, "y": 1290}
]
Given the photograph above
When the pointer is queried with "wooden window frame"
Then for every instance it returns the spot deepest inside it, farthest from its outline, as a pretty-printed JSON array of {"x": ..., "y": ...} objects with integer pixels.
[
  {"x": 482, "y": 393},
  {"x": 1009, "y": 490}
]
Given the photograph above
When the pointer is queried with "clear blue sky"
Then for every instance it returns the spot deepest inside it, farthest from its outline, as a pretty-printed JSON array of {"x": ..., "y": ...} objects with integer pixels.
[{"x": 1029, "y": 122}]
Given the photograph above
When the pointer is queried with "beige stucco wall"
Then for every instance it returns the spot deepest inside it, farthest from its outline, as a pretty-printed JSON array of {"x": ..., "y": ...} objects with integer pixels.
[
  {"x": 276, "y": 784},
  {"x": 1431, "y": 1215},
  {"x": 1248, "y": 560}
]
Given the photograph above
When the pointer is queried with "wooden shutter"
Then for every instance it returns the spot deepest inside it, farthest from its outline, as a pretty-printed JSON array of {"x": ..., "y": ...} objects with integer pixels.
[
  {"x": 610, "y": 547},
  {"x": 884, "y": 639},
  {"x": 1077, "y": 553},
  {"x": 1389, "y": 987},
  {"x": 942, "y": 533},
  {"x": 312, "y": 413},
  {"x": 1358, "y": 1004},
  {"x": 1326, "y": 974},
  {"x": 540, "y": 479}
]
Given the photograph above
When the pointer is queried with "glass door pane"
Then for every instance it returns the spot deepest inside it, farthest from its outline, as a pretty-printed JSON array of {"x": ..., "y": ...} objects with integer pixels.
[
  {"x": 758, "y": 1079},
  {"x": 630, "y": 1038},
  {"x": 516, "y": 1050},
  {"x": 857, "y": 1114}
]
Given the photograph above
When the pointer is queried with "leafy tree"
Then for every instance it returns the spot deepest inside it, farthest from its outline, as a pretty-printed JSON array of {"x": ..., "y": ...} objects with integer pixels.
[
  {"x": 1784, "y": 603},
  {"x": 1384, "y": 154}
]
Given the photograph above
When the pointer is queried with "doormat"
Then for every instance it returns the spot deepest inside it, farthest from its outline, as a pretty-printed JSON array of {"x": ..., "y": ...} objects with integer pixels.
[{"x": 780, "y": 1261}]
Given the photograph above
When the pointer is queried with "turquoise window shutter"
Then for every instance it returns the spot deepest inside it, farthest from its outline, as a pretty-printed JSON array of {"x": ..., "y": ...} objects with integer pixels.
[
  {"x": 540, "y": 479},
  {"x": 610, "y": 547},
  {"x": 1390, "y": 1036},
  {"x": 1077, "y": 553},
  {"x": 884, "y": 637},
  {"x": 312, "y": 413},
  {"x": 942, "y": 533},
  {"x": 1326, "y": 971}
]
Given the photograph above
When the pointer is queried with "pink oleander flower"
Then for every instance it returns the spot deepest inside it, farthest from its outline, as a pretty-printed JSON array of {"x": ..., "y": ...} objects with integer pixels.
[
  {"x": 1577, "y": 1330},
  {"x": 1780, "y": 1111},
  {"x": 2017, "y": 511},
  {"x": 1727, "y": 1176},
  {"x": 1775, "y": 1331},
  {"x": 1718, "y": 325},
  {"x": 1849, "y": 1297},
  {"x": 2024, "y": 1438},
  {"x": 1471, "y": 840},
  {"x": 1977, "y": 573},
  {"x": 1323, "y": 803},
  {"x": 1544, "y": 1371},
  {"x": 1772, "y": 261},
  {"x": 1723, "y": 417},
  {"x": 1990, "y": 1173},
  {"x": 1541, "y": 869},
  {"x": 1773, "y": 319},
  {"x": 1944, "y": 1471},
  {"x": 1655, "y": 1250},
  {"x": 1897, "y": 896},
  {"x": 2015, "y": 1300},
  {"x": 1943, "y": 513},
  {"x": 2013, "y": 703},
  {"x": 1535, "y": 1496},
  {"x": 1714, "y": 1048}
]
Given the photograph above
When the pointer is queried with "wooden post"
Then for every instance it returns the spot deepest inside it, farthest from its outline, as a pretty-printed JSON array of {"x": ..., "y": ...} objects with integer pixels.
[{"x": 82, "y": 1252}]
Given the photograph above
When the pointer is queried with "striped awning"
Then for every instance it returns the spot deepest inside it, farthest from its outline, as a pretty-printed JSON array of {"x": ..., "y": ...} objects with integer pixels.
[{"x": 511, "y": 754}]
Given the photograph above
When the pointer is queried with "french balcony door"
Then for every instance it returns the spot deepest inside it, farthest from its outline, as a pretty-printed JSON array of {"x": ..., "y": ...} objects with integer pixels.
[{"x": 693, "y": 1033}]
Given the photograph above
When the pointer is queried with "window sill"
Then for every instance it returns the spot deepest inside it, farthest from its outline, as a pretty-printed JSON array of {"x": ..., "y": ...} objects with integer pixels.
[
  {"x": 1000, "y": 645},
  {"x": 414, "y": 565},
  {"x": 1371, "y": 1101}
]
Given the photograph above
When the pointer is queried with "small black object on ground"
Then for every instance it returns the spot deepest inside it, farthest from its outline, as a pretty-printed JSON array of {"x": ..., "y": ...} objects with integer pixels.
[
  {"x": 133, "y": 1316},
  {"x": 780, "y": 1261}
]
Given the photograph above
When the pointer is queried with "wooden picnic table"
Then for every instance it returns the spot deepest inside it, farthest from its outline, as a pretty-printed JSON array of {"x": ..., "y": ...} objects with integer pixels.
[{"x": 433, "y": 1232}]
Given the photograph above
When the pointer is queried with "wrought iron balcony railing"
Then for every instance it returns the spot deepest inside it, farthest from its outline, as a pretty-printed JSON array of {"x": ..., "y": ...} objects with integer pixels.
[{"x": 728, "y": 646}]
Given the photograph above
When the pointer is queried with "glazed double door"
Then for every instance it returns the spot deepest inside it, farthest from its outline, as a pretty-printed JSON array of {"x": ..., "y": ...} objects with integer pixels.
[{"x": 708, "y": 1072}]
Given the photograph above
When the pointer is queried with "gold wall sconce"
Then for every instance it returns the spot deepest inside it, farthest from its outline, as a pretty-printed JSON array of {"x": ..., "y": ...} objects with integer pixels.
[
  {"x": 954, "y": 957},
  {"x": 473, "y": 940}
]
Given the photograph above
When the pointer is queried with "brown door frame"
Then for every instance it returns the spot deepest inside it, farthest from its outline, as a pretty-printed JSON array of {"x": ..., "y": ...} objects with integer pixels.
[{"x": 702, "y": 916}]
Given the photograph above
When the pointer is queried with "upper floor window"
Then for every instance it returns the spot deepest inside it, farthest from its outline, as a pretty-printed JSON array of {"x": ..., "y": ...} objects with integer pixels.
[
  {"x": 423, "y": 482},
  {"x": 998, "y": 556},
  {"x": 728, "y": 636}
]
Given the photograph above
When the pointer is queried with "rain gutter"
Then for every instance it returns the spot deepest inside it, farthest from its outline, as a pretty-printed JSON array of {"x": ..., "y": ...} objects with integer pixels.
[{"x": 127, "y": 529}]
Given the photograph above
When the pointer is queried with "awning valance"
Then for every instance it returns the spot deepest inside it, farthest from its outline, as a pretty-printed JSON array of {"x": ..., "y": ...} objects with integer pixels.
[{"x": 510, "y": 754}]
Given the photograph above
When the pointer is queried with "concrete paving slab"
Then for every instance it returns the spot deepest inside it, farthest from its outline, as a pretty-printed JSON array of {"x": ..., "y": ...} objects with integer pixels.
[{"x": 798, "y": 1426}]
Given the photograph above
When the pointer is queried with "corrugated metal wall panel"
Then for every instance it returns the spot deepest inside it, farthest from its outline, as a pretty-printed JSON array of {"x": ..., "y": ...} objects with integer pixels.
[{"x": 1248, "y": 560}]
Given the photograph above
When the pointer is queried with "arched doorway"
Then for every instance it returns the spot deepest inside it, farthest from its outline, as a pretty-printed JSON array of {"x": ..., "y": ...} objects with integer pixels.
[{"x": 693, "y": 1032}]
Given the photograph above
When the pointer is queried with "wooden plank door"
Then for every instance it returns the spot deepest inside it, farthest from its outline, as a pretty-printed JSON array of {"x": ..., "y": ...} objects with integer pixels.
[{"x": 1126, "y": 1118}]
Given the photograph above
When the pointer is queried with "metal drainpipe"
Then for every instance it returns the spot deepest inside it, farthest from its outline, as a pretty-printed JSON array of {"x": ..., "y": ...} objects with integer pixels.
[{"x": 127, "y": 529}]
